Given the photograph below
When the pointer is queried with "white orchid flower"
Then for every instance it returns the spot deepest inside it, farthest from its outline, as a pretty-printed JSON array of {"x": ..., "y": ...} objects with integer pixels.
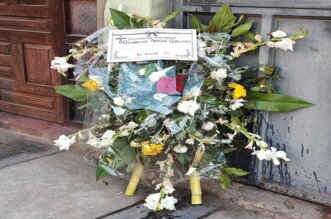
[
  {"x": 236, "y": 104},
  {"x": 61, "y": 64},
  {"x": 188, "y": 107},
  {"x": 64, "y": 142},
  {"x": 207, "y": 126},
  {"x": 218, "y": 75},
  {"x": 284, "y": 44},
  {"x": 272, "y": 154},
  {"x": 153, "y": 202}
]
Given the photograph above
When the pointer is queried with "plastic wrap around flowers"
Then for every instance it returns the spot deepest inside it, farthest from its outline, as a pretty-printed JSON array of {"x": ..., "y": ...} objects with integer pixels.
[{"x": 180, "y": 118}]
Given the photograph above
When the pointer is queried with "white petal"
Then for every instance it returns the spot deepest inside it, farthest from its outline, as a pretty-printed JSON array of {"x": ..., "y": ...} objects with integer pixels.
[
  {"x": 261, "y": 155},
  {"x": 64, "y": 142},
  {"x": 108, "y": 134},
  {"x": 168, "y": 189},
  {"x": 180, "y": 149},
  {"x": 278, "y": 33},
  {"x": 262, "y": 144},
  {"x": 275, "y": 161},
  {"x": 169, "y": 203},
  {"x": 120, "y": 7},
  {"x": 152, "y": 201},
  {"x": 207, "y": 126},
  {"x": 158, "y": 186},
  {"x": 190, "y": 171},
  {"x": 249, "y": 145},
  {"x": 189, "y": 141}
]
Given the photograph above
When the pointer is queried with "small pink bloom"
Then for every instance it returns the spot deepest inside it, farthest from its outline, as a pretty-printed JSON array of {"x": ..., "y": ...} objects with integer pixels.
[{"x": 167, "y": 85}]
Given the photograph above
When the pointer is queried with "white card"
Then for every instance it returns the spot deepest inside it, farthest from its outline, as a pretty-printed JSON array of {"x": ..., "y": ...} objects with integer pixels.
[{"x": 152, "y": 44}]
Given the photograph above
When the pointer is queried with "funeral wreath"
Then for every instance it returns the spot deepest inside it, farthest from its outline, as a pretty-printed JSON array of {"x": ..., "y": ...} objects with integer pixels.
[{"x": 175, "y": 119}]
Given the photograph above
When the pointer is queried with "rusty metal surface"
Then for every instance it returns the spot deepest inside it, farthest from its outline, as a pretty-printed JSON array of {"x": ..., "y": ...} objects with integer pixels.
[
  {"x": 83, "y": 16},
  {"x": 303, "y": 134}
]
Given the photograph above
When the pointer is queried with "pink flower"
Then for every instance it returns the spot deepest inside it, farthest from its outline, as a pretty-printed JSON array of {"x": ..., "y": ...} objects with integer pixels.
[{"x": 167, "y": 85}]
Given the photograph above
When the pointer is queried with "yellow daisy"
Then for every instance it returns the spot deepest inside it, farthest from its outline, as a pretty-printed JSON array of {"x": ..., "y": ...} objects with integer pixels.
[
  {"x": 151, "y": 149},
  {"x": 239, "y": 91},
  {"x": 91, "y": 85}
]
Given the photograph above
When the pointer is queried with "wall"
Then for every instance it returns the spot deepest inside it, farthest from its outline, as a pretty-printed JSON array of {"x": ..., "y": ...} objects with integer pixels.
[{"x": 156, "y": 9}]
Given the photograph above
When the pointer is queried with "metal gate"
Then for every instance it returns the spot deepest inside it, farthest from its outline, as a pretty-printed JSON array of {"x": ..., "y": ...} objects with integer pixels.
[{"x": 304, "y": 134}]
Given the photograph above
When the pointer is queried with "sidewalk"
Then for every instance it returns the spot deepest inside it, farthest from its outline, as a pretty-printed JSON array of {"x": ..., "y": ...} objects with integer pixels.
[{"x": 38, "y": 181}]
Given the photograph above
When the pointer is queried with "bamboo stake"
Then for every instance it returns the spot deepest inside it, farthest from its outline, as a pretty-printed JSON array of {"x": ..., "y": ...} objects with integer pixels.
[
  {"x": 135, "y": 178},
  {"x": 195, "y": 184}
]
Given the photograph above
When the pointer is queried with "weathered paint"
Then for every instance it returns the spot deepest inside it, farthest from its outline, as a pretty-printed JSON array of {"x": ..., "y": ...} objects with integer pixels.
[
  {"x": 303, "y": 134},
  {"x": 156, "y": 9}
]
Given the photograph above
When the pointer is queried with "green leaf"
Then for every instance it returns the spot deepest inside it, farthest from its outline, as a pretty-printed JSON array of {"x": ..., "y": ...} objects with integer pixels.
[
  {"x": 196, "y": 23},
  {"x": 238, "y": 20},
  {"x": 236, "y": 171},
  {"x": 229, "y": 150},
  {"x": 223, "y": 20},
  {"x": 235, "y": 120},
  {"x": 172, "y": 16},
  {"x": 208, "y": 99},
  {"x": 225, "y": 180},
  {"x": 181, "y": 159},
  {"x": 75, "y": 92},
  {"x": 120, "y": 19},
  {"x": 99, "y": 172},
  {"x": 242, "y": 29},
  {"x": 274, "y": 102},
  {"x": 122, "y": 148},
  {"x": 250, "y": 36},
  {"x": 137, "y": 21},
  {"x": 142, "y": 115},
  {"x": 134, "y": 23},
  {"x": 267, "y": 69}
]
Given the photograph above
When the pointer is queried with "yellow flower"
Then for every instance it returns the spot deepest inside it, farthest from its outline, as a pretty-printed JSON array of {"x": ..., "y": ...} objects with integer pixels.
[
  {"x": 92, "y": 85},
  {"x": 151, "y": 149},
  {"x": 239, "y": 91}
]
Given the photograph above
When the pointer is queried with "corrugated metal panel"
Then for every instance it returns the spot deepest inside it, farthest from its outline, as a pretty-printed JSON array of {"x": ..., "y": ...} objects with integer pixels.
[{"x": 303, "y": 134}]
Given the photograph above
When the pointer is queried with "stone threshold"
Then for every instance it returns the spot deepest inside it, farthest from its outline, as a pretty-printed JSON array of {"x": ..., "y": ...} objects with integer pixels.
[{"x": 35, "y": 128}]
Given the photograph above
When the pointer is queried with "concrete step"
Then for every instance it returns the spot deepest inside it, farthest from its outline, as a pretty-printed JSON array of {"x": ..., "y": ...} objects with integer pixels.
[
  {"x": 62, "y": 185},
  {"x": 38, "y": 181}
]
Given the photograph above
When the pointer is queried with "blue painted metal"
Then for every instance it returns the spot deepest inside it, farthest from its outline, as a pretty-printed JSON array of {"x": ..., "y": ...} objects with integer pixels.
[{"x": 304, "y": 134}]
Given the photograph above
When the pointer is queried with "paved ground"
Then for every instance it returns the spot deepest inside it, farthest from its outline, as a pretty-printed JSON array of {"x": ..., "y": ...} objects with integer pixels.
[{"x": 39, "y": 182}]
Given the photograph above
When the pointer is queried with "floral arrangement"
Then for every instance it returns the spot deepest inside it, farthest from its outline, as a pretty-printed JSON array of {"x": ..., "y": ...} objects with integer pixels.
[{"x": 181, "y": 117}]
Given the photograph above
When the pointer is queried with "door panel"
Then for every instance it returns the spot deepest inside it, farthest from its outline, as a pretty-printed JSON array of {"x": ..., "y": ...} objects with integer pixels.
[
  {"x": 303, "y": 134},
  {"x": 31, "y": 34},
  {"x": 36, "y": 60}
]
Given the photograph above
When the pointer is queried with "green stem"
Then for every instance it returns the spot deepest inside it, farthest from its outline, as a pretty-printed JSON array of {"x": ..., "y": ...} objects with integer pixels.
[{"x": 89, "y": 129}]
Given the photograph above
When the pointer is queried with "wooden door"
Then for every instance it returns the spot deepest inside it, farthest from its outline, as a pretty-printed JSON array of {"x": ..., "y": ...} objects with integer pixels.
[{"x": 31, "y": 34}]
